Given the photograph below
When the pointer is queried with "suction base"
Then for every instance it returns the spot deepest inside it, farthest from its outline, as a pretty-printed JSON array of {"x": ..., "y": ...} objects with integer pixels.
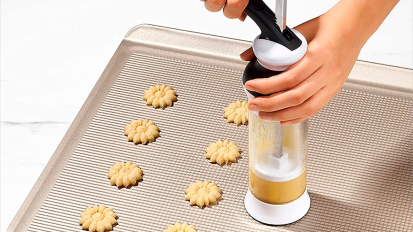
[{"x": 277, "y": 214}]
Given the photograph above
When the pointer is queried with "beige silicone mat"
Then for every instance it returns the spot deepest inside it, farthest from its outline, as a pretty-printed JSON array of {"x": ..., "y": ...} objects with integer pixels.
[{"x": 360, "y": 145}]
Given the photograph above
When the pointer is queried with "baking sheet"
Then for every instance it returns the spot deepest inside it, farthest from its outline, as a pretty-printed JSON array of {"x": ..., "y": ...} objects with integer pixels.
[{"x": 360, "y": 145}]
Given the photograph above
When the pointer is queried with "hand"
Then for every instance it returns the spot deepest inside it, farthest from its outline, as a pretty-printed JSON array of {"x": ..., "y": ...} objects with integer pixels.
[
  {"x": 307, "y": 86},
  {"x": 233, "y": 9},
  {"x": 334, "y": 42}
]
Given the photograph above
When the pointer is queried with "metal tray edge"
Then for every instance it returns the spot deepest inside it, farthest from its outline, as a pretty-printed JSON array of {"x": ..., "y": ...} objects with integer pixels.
[{"x": 378, "y": 74}]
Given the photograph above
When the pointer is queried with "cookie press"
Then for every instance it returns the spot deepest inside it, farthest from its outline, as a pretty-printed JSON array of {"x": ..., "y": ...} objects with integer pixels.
[{"x": 277, "y": 193}]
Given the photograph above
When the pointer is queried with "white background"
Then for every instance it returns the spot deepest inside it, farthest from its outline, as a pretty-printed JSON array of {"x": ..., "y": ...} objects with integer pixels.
[{"x": 53, "y": 52}]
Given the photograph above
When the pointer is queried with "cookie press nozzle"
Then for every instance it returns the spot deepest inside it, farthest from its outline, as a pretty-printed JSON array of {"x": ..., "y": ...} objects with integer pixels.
[{"x": 277, "y": 154}]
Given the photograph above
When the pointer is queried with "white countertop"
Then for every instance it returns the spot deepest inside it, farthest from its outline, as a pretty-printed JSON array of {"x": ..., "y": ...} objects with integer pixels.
[{"x": 53, "y": 52}]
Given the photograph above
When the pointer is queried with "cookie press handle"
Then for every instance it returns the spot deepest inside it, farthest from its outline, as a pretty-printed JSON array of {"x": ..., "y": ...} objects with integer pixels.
[
  {"x": 266, "y": 20},
  {"x": 275, "y": 49}
]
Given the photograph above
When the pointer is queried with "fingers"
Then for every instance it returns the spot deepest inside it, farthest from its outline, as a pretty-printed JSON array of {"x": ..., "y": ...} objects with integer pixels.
[
  {"x": 301, "y": 112},
  {"x": 292, "y": 97},
  {"x": 214, "y": 5},
  {"x": 294, "y": 121},
  {"x": 247, "y": 55},
  {"x": 234, "y": 8},
  {"x": 289, "y": 79}
]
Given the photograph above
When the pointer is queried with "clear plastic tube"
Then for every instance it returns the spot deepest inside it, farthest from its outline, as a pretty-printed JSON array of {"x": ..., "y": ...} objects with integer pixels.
[{"x": 277, "y": 166}]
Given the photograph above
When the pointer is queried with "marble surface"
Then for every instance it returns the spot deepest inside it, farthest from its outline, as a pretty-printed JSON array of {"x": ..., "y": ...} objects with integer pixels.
[{"x": 53, "y": 52}]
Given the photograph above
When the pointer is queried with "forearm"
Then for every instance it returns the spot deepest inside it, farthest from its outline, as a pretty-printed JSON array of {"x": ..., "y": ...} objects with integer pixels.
[{"x": 358, "y": 19}]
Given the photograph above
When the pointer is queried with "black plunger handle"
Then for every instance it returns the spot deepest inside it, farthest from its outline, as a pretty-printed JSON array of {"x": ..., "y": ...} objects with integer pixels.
[{"x": 266, "y": 20}]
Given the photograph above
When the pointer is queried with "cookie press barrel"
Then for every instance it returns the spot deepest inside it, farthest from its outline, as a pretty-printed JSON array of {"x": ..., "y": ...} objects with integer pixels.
[{"x": 277, "y": 193}]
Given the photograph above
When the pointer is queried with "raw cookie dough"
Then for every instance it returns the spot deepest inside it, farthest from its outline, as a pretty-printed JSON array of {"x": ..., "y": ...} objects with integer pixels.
[
  {"x": 178, "y": 227},
  {"x": 98, "y": 218},
  {"x": 143, "y": 131},
  {"x": 203, "y": 193},
  {"x": 159, "y": 96},
  {"x": 237, "y": 112},
  {"x": 223, "y": 151},
  {"x": 124, "y": 174}
]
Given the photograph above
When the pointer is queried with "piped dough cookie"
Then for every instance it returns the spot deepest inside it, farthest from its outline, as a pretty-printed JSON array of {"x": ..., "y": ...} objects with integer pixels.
[
  {"x": 159, "y": 96},
  {"x": 223, "y": 151},
  {"x": 237, "y": 112},
  {"x": 178, "y": 227},
  {"x": 124, "y": 174},
  {"x": 142, "y": 131},
  {"x": 97, "y": 218},
  {"x": 203, "y": 193}
]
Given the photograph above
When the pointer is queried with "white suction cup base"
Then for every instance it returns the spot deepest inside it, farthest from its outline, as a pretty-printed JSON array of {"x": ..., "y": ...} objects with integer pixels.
[{"x": 277, "y": 214}]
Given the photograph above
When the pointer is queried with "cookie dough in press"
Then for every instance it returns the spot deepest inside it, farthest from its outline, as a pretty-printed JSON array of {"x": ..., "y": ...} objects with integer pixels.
[
  {"x": 142, "y": 131},
  {"x": 159, "y": 96},
  {"x": 203, "y": 193},
  {"x": 178, "y": 227},
  {"x": 237, "y": 112},
  {"x": 124, "y": 174},
  {"x": 97, "y": 218},
  {"x": 223, "y": 151}
]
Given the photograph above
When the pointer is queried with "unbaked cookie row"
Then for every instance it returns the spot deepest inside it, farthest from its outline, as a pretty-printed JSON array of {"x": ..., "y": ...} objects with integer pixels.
[
  {"x": 163, "y": 96},
  {"x": 201, "y": 193},
  {"x": 100, "y": 219}
]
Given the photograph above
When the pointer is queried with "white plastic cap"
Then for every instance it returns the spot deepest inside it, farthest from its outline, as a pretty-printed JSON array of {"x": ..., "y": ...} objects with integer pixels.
[{"x": 275, "y": 56}]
